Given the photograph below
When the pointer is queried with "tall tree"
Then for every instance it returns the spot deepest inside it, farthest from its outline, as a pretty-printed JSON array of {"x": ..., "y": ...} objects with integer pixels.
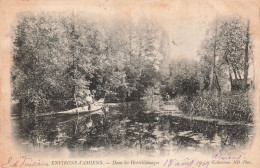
[
  {"x": 246, "y": 64},
  {"x": 214, "y": 79}
]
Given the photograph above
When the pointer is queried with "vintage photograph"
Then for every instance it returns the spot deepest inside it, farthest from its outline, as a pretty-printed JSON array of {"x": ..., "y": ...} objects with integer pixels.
[
  {"x": 103, "y": 87},
  {"x": 129, "y": 84}
]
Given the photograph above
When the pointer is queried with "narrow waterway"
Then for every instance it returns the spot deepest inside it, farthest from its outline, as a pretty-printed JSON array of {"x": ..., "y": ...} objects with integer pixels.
[{"x": 130, "y": 127}]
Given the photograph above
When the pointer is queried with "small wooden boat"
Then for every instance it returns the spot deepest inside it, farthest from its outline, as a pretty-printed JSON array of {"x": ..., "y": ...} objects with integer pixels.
[
  {"x": 80, "y": 110},
  {"x": 83, "y": 110}
]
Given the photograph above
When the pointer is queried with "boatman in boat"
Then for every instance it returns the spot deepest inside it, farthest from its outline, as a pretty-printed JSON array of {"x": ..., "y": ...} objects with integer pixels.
[
  {"x": 89, "y": 100},
  {"x": 167, "y": 97}
]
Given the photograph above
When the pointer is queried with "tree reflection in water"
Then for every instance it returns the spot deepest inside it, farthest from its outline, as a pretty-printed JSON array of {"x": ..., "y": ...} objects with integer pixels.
[{"x": 129, "y": 126}]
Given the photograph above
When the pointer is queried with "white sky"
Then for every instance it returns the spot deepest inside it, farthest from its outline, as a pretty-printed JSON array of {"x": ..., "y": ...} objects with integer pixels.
[{"x": 186, "y": 21}]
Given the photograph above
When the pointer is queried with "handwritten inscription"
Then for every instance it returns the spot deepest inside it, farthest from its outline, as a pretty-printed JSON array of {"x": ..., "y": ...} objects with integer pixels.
[
  {"x": 216, "y": 159},
  {"x": 226, "y": 157},
  {"x": 187, "y": 162},
  {"x": 24, "y": 161}
]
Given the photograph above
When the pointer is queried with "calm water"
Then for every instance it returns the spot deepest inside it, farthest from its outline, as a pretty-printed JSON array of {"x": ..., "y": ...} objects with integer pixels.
[{"x": 129, "y": 127}]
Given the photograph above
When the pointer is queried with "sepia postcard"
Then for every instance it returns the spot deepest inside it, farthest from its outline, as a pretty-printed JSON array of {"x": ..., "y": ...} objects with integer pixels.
[{"x": 138, "y": 84}]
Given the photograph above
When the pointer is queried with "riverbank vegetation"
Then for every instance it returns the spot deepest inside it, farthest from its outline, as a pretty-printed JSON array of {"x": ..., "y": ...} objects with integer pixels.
[
  {"x": 57, "y": 60},
  {"x": 229, "y": 106}
]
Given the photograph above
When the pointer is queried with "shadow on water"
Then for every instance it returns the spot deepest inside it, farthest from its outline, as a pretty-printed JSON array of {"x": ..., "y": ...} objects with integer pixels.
[{"x": 129, "y": 126}]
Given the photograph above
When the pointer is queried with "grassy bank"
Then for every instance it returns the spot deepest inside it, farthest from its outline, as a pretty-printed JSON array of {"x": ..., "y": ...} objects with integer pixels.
[{"x": 230, "y": 106}]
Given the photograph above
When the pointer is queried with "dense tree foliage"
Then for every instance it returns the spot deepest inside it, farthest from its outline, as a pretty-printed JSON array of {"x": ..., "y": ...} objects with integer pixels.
[
  {"x": 182, "y": 78},
  {"x": 58, "y": 59},
  {"x": 223, "y": 53}
]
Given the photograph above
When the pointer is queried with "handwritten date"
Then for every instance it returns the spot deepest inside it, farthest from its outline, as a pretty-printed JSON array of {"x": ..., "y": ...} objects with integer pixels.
[{"x": 187, "y": 162}]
